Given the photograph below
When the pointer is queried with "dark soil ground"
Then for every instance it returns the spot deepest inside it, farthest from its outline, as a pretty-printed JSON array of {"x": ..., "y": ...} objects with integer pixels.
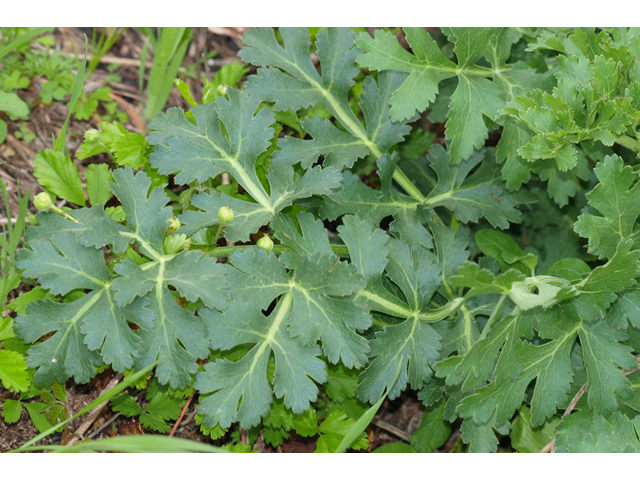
[{"x": 395, "y": 421}]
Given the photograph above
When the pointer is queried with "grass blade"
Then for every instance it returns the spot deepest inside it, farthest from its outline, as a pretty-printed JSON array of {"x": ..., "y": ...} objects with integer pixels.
[
  {"x": 359, "y": 426},
  {"x": 101, "y": 399},
  {"x": 135, "y": 444},
  {"x": 22, "y": 39},
  {"x": 77, "y": 90}
]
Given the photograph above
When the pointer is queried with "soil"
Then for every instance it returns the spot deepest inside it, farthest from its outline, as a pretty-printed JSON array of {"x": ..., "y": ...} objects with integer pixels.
[{"x": 395, "y": 419}]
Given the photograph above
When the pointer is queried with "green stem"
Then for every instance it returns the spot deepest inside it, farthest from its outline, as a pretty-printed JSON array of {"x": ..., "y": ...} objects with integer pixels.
[
  {"x": 218, "y": 233},
  {"x": 108, "y": 152},
  {"x": 401, "y": 178},
  {"x": 627, "y": 142},
  {"x": 220, "y": 252},
  {"x": 493, "y": 318},
  {"x": 59, "y": 211}
]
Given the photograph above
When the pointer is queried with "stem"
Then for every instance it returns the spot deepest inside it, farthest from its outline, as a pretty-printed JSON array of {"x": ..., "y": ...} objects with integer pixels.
[
  {"x": 59, "y": 211},
  {"x": 184, "y": 410},
  {"x": 220, "y": 252},
  {"x": 108, "y": 151},
  {"x": 627, "y": 142},
  {"x": 401, "y": 178},
  {"x": 493, "y": 318},
  {"x": 218, "y": 234}
]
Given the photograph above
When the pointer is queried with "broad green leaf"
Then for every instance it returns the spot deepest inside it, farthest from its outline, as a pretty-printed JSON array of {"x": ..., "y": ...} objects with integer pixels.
[
  {"x": 433, "y": 431},
  {"x": 97, "y": 177},
  {"x": 94, "y": 228},
  {"x": 39, "y": 420},
  {"x": 626, "y": 309},
  {"x": 62, "y": 264},
  {"x": 195, "y": 276},
  {"x": 616, "y": 197},
  {"x": 13, "y": 105},
  {"x": 583, "y": 433},
  {"x": 64, "y": 354},
  {"x": 13, "y": 371},
  {"x": 286, "y": 187},
  {"x": 126, "y": 405},
  {"x": 501, "y": 247},
  {"x": 240, "y": 391},
  {"x": 94, "y": 322},
  {"x": 292, "y": 82},
  {"x": 333, "y": 430},
  {"x": 129, "y": 149},
  {"x": 400, "y": 353},
  {"x": 55, "y": 171},
  {"x": 528, "y": 439},
  {"x": 324, "y": 309},
  {"x": 11, "y": 411},
  {"x": 200, "y": 150},
  {"x": 602, "y": 352},
  {"x": 147, "y": 214},
  {"x": 395, "y": 447},
  {"x": 341, "y": 383},
  {"x": 475, "y": 196},
  {"x": 176, "y": 340},
  {"x": 475, "y": 96}
]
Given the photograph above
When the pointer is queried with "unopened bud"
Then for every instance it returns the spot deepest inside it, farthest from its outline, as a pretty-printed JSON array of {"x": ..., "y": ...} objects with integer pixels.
[
  {"x": 222, "y": 90},
  {"x": 43, "y": 202},
  {"x": 225, "y": 214},
  {"x": 175, "y": 225},
  {"x": 92, "y": 137},
  {"x": 266, "y": 243}
]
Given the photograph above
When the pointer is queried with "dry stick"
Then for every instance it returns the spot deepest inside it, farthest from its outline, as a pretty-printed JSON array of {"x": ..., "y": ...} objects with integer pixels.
[
  {"x": 184, "y": 410},
  {"x": 131, "y": 111},
  {"x": 79, "y": 433},
  {"x": 401, "y": 434},
  {"x": 551, "y": 446},
  {"x": 112, "y": 419}
]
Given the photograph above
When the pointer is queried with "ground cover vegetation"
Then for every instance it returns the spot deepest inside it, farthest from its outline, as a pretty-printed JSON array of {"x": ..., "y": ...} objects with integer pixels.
[{"x": 344, "y": 218}]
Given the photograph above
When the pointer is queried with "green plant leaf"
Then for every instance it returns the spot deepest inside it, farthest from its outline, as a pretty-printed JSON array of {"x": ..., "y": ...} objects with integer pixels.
[
  {"x": 433, "y": 431},
  {"x": 334, "y": 429},
  {"x": 11, "y": 411},
  {"x": 13, "y": 371},
  {"x": 296, "y": 367},
  {"x": 615, "y": 197},
  {"x": 55, "y": 171},
  {"x": 583, "y": 433},
  {"x": 13, "y": 105},
  {"x": 97, "y": 177}
]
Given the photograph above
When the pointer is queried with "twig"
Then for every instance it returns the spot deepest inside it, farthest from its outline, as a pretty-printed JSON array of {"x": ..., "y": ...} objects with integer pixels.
[
  {"x": 184, "y": 410},
  {"x": 401, "y": 434},
  {"x": 551, "y": 446},
  {"x": 131, "y": 111},
  {"x": 111, "y": 420},
  {"x": 78, "y": 434}
]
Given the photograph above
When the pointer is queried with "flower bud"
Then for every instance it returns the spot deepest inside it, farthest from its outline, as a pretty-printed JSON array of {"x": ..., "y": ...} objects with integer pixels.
[
  {"x": 266, "y": 243},
  {"x": 92, "y": 137},
  {"x": 43, "y": 202},
  {"x": 175, "y": 224},
  {"x": 222, "y": 90},
  {"x": 225, "y": 214}
]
